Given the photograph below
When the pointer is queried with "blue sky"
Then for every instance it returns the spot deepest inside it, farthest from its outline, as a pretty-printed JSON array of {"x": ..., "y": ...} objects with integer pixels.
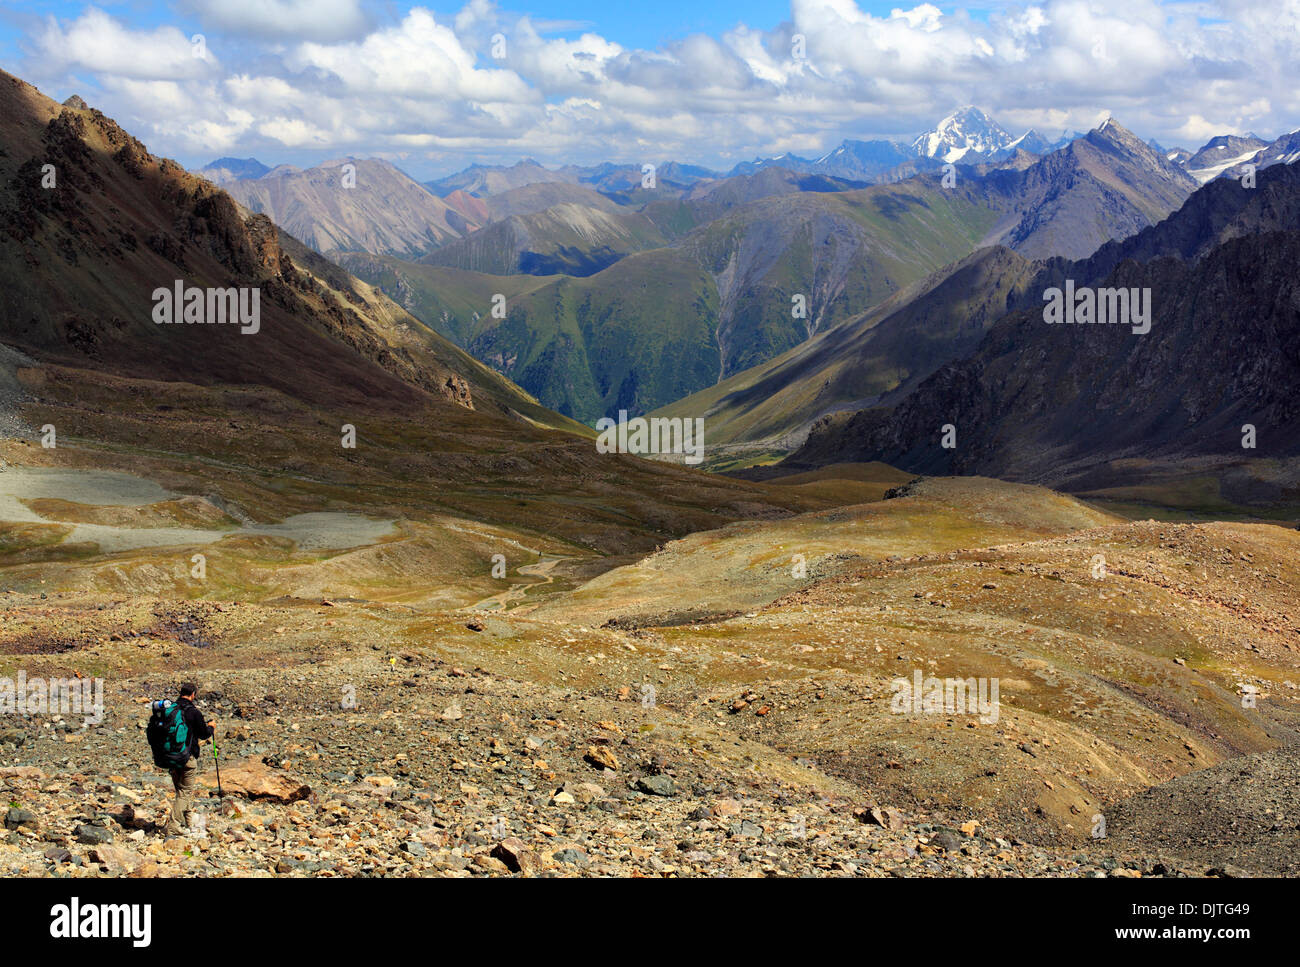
[
  {"x": 646, "y": 25},
  {"x": 303, "y": 81}
]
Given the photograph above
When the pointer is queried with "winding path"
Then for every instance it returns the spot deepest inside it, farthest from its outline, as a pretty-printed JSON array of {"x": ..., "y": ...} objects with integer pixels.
[{"x": 541, "y": 568}]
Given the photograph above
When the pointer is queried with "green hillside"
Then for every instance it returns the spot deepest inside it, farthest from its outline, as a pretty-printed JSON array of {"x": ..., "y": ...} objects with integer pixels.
[
  {"x": 635, "y": 336},
  {"x": 662, "y": 324}
]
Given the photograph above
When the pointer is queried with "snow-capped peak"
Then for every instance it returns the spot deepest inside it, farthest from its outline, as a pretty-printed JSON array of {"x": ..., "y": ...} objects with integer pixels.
[{"x": 968, "y": 131}]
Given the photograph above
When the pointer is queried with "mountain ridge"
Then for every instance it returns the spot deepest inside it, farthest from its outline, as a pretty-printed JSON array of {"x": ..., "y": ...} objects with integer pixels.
[{"x": 1220, "y": 354}]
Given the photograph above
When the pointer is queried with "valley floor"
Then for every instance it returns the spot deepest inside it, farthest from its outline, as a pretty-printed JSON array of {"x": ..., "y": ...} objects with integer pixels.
[{"x": 725, "y": 705}]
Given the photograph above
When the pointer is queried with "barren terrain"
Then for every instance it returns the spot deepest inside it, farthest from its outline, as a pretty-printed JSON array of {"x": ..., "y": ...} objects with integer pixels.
[{"x": 721, "y": 705}]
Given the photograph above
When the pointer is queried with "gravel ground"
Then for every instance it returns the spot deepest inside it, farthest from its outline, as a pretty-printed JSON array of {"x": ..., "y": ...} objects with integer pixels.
[{"x": 439, "y": 770}]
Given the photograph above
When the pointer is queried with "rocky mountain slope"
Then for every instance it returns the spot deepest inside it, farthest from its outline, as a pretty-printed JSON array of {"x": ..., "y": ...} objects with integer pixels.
[
  {"x": 83, "y": 257},
  {"x": 1106, "y": 185},
  {"x": 1108, "y": 182},
  {"x": 611, "y": 726},
  {"x": 1062, "y": 403},
  {"x": 353, "y": 204}
]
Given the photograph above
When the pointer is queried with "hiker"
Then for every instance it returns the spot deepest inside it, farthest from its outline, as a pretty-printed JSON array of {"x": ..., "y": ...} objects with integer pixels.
[{"x": 174, "y": 733}]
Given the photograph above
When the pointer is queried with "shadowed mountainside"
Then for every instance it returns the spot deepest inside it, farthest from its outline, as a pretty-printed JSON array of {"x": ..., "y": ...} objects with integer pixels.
[{"x": 1060, "y": 403}]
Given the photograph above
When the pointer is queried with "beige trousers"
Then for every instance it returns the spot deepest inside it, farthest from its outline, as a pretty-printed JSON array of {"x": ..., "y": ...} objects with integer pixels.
[{"x": 183, "y": 806}]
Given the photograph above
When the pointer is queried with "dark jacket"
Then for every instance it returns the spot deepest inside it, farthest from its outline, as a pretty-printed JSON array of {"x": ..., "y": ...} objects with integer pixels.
[{"x": 198, "y": 727}]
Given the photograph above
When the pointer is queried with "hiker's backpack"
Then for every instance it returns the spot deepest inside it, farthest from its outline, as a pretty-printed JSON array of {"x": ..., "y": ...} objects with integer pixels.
[{"x": 169, "y": 735}]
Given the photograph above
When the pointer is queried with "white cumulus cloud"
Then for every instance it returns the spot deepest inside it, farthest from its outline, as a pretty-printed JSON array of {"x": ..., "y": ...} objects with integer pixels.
[{"x": 341, "y": 77}]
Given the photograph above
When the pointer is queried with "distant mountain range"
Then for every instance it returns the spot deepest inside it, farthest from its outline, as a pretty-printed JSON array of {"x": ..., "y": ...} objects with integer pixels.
[
  {"x": 1105, "y": 185},
  {"x": 226, "y": 171},
  {"x": 844, "y": 232},
  {"x": 354, "y": 205},
  {"x": 389, "y": 215},
  {"x": 740, "y": 252},
  {"x": 1082, "y": 406},
  {"x": 968, "y": 136}
]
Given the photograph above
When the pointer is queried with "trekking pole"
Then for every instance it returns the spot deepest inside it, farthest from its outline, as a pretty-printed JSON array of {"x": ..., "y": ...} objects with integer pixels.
[{"x": 220, "y": 794}]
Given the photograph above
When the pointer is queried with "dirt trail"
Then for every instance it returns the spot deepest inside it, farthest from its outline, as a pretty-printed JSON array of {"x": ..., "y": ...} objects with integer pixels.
[{"x": 541, "y": 569}]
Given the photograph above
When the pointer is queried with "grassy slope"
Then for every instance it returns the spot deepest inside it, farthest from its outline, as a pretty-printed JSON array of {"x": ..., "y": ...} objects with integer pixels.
[
  {"x": 570, "y": 237},
  {"x": 845, "y": 252},
  {"x": 654, "y": 327},
  {"x": 892, "y": 346},
  {"x": 637, "y": 334}
]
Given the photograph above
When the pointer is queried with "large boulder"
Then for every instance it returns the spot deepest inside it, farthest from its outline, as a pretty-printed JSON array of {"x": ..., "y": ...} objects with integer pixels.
[
  {"x": 116, "y": 859},
  {"x": 21, "y": 772},
  {"x": 254, "y": 779}
]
